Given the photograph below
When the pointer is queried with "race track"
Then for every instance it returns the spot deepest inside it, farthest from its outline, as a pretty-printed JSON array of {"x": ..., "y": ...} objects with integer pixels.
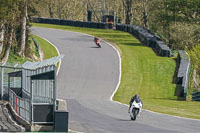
[{"x": 87, "y": 78}]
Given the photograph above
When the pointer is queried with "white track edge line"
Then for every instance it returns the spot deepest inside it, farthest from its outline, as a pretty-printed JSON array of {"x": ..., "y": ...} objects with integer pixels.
[
  {"x": 111, "y": 98},
  {"x": 119, "y": 80}
]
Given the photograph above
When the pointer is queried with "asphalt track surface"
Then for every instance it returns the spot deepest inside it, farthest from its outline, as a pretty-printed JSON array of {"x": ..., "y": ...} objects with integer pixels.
[{"x": 87, "y": 78}]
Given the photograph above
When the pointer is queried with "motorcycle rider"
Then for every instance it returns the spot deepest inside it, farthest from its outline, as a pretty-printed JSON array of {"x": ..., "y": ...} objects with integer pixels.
[
  {"x": 97, "y": 41},
  {"x": 137, "y": 99}
]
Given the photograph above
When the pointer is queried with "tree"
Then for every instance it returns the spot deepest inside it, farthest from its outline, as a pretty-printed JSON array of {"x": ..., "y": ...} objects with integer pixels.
[
  {"x": 2, "y": 32},
  {"x": 23, "y": 27},
  {"x": 179, "y": 19},
  {"x": 128, "y": 4},
  {"x": 143, "y": 12},
  {"x": 3, "y": 10},
  {"x": 194, "y": 53},
  {"x": 189, "y": 9},
  {"x": 9, "y": 44},
  {"x": 9, "y": 21}
]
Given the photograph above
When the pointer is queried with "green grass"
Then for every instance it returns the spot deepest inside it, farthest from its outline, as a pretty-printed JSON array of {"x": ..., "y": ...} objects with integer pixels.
[
  {"x": 29, "y": 51},
  {"x": 15, "y": 59},
  {"x": 144, "y": 73},
  {"x": 48, "y": 50}
]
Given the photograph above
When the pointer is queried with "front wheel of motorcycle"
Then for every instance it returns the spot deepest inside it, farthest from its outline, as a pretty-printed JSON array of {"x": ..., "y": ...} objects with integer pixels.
[
  {"x": 135, "y": 112},
  {"x": 133, "y": 118}
]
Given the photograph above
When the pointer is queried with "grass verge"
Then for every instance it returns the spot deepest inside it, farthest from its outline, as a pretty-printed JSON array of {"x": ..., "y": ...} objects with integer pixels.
[
  {"x": 143, "y": 72},
  {"x": 48, "y": 50}
]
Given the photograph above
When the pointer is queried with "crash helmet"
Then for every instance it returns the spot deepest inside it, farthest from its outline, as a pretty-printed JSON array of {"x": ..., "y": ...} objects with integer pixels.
[{"x": 137, "y": 96}]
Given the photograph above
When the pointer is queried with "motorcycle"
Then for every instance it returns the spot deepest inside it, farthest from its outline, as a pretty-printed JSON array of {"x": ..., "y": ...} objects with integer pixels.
[
  {"x": 97, "y": 42},
  {"x": 135, "y": 110}
]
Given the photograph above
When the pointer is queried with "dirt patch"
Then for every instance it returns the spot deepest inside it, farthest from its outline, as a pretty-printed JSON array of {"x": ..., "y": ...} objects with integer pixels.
[{"x": 41, "y": 55}]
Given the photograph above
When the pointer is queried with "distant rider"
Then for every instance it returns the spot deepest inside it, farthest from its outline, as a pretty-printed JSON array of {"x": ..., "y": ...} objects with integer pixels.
[
  {"x": 135, "y": 98},
  {"x": 96, "y": 40}
]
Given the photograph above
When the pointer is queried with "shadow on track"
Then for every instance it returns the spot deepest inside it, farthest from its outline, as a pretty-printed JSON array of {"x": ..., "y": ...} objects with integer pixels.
[{"x": 94, "y": 47}]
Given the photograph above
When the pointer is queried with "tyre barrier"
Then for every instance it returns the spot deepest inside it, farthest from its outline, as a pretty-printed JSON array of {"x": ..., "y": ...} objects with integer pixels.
[
  {"x": 147, "y": 38},
  {"x": 72, "y": 23},
  {"x": 183, "y": 72}
]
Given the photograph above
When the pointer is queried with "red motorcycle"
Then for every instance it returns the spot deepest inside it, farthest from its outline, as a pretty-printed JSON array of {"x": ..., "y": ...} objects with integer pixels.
[{"x": 97, "y": 42}]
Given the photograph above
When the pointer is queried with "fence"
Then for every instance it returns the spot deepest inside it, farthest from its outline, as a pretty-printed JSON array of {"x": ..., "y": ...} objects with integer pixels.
[
  {"x": 21, "y": 106},
  {"x": 30, "y": 94},
  {"x": 31, "y": 90},
  {"x": 4, "y": 70}
]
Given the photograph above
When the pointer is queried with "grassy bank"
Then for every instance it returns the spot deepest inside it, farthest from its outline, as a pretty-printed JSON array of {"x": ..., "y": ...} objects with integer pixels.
[
  {"x": 31, "y": 52},
  {"x": 144, "y": 73},
  {"x": 47, "y": 49}
]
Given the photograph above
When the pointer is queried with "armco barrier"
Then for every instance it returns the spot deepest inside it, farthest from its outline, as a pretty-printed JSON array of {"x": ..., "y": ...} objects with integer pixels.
[
  {"x": 36, "y": 45},
  {"x": 183, "y": 72}
]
